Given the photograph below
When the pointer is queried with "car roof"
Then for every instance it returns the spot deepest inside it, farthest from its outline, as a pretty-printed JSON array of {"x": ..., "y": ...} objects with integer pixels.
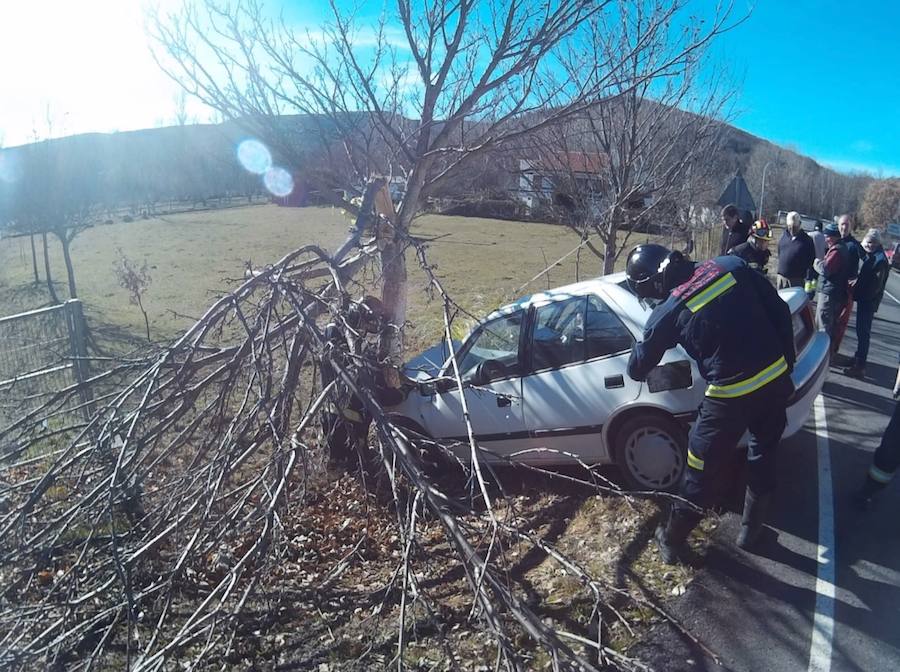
[{"x": 575, "y": 289}]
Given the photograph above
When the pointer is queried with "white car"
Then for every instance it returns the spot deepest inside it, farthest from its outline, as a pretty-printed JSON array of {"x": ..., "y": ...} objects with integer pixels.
[{"x": 545, "y": 382}]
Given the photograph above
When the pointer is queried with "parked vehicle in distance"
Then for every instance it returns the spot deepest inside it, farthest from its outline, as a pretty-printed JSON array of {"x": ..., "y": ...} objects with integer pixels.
[
  {"x": 892, "y": 255},
  {"x": 545, "y": 382}
]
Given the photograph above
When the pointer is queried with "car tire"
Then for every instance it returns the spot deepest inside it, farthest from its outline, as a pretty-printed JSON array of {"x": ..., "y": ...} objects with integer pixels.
[{"x": 651, "y": 450}]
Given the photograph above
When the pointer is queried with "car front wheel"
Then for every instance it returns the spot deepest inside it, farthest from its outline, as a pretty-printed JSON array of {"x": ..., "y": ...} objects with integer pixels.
[{"x": 651, "y": 450}]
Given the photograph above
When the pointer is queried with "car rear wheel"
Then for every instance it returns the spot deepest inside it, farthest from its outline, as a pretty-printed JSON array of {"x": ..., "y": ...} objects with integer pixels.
[{"x": 651, "y": 450}]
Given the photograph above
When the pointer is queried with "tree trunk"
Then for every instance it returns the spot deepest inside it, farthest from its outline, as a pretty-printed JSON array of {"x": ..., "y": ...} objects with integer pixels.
[
  {"x": 144, "y": 313},
  {"x": 50, "y": 288},
  {"x": 37, "y": 277},
  {"x": 609, "y": 253},
  {"x": 70, "y": 269},
  {"x": 393, "y": 295},
  {"x": 393, "y": 270}
]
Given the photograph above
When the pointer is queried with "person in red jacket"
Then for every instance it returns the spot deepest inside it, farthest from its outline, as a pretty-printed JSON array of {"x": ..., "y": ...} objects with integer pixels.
[{"x": 835, "y": 271}]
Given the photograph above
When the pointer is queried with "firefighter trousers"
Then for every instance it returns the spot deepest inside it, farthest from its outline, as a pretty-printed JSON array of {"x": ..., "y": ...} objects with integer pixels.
[
  {"x": 886, "y": 461},
  {"x": 714, "y": 438}
]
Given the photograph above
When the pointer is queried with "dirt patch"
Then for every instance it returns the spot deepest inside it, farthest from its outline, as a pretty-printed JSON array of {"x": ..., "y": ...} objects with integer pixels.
[{"x": 333, "y": 601}]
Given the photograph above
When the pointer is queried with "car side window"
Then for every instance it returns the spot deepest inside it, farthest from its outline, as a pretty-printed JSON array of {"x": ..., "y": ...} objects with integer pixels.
[
  {"x": 604, "y": 333},
  {"x": 495, "y": 346},
  {"x": 558, "y": 336}
]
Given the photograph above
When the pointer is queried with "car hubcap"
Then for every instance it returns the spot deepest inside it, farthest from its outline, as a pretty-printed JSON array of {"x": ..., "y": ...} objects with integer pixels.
[{"x": 654, "y": 458}]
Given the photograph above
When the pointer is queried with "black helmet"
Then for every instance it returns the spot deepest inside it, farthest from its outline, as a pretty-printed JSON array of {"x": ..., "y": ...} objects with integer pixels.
[{"x": 646, "y": 270}]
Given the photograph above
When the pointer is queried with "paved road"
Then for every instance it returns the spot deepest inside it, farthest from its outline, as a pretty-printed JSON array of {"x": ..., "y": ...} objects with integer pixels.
[{"x": 758, "y": 612}]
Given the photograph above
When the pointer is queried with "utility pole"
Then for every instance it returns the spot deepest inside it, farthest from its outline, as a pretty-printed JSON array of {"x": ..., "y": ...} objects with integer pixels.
[{"x": 762, "y": 192}]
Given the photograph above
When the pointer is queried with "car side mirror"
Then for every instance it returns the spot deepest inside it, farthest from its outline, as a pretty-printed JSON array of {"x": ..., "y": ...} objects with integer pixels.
[
  {"x": 479, "y": 377},
  {"x": 427, "y": 388}
]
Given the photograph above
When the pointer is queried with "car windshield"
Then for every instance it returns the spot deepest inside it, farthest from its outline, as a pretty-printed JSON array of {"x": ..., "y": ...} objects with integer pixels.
[{"x": 496, "y": 341}]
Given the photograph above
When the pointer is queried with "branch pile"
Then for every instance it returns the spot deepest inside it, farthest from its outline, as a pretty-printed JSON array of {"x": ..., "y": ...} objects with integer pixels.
[{"x": 149, "y": 521}]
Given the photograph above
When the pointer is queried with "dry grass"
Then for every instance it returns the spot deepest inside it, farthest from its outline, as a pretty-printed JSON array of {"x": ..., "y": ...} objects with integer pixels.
[{"x": 195, "y": 257}]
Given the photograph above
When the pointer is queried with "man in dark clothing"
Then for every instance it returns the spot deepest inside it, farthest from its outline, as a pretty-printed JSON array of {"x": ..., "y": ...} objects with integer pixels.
[
  {"x": 714, "y": 310},
  {"x": 886, "y": 460},
  {"x": 736, "y": 231},
  {"x": 796, "y": 253},
  {"x": 867, "y": 293},
  {"x": 835, "y": 271},
  {"x": 845, "y": 225},
  {"x": 755, "y": 252}
]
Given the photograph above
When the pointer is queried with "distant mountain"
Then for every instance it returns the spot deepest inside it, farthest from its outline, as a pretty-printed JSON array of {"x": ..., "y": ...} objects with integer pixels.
[{"x": 195, "y": 162}]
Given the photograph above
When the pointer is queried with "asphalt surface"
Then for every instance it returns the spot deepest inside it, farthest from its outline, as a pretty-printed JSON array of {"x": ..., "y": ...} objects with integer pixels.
[{"x": 757, "y": 612}]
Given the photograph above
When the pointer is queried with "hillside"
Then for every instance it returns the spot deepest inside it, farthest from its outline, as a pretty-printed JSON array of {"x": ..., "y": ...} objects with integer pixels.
[{"x": 196, "y": 162}]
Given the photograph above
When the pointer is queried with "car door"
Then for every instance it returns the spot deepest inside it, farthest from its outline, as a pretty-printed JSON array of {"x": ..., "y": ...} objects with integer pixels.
[
  {"x": 495, "y": 401},
  {"x": 578, "y": 352}
]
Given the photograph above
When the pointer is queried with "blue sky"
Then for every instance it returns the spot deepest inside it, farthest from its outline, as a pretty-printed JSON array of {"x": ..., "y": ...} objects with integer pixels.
[{"x": 821, "y": 77}]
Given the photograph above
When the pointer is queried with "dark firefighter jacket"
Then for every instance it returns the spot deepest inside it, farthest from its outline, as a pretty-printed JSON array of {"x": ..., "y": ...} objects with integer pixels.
[
  {"x": 730, "y": 320},
  {"x": 754, "y": 257}
]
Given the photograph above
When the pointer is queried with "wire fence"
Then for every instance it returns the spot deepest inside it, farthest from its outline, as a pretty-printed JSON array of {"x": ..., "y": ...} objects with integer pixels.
[{"x": 41, "y": 352}]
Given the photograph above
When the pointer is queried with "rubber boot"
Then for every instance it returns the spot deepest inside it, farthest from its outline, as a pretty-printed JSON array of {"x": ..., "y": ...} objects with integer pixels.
[
  {"x": 671, "y": 538},
  {"x": 755, "y": 509},
  {"x": 862, "y": 498},
  {"x": 855, "y": 370}
]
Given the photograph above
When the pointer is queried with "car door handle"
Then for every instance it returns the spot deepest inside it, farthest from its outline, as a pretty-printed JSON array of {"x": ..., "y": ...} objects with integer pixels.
[
  {"x": 503, "y": 401},
  {"x": 612, "y": 382}
]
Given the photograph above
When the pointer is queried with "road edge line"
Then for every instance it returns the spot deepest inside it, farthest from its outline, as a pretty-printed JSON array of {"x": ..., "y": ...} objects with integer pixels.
[{"x": 822, "y": 640}]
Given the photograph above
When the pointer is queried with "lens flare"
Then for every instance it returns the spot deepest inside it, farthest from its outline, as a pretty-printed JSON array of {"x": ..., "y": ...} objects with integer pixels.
[
  {"x": 278, "y": 181},
  {"x": 254, "y": 156}
]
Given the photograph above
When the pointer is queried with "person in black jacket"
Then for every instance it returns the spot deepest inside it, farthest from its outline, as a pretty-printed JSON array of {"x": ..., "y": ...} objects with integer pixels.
[
  {"x": 732, "y": 322},
  {"x": 755, "y": 251},
  {"x": 867, "y": 293},
  {"x": 796, "y": 253},
  {"x": 736, "y": 230}
]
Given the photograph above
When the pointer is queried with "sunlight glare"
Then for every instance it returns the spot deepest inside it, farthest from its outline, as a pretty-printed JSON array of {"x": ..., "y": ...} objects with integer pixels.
[
  {"x": 279, "y": 182},
  {"x": 254, "y": 156}
]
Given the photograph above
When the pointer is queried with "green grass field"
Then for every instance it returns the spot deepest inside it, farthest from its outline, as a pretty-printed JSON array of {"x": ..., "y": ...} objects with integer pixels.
[{"x": 195, "y": 257}]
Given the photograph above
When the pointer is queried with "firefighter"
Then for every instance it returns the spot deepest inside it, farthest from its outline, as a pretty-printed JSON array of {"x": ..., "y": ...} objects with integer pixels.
[
  {"x": 886, "y": 461},
  {"x": 732, "y": 322},
  {"x": 755, "y": 251},
  {"x": 345, "y": 420}
]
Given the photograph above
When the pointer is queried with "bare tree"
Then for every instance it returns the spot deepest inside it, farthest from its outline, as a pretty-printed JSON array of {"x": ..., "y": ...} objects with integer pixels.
[
  {"x": 652, "y": 138},
  {"x": 135, "y": 280},
  {"x": 181, "y": 114},
  {"x": 419, "y": 94},
  {"x": 57, "y": 192},
  {"x": 881, "y": 204}
]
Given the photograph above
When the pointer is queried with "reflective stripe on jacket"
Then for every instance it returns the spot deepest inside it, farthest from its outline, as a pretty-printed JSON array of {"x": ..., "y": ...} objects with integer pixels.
[{"x": 730, "y": 320}]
